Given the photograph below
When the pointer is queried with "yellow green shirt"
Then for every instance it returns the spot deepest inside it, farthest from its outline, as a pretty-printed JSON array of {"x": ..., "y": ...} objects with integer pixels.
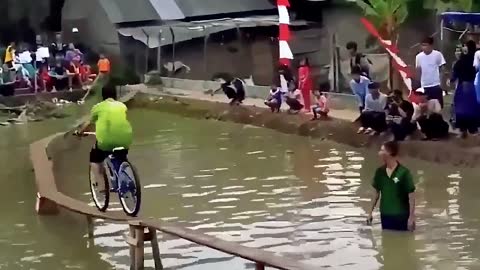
[{"x": 111, "y": 125}]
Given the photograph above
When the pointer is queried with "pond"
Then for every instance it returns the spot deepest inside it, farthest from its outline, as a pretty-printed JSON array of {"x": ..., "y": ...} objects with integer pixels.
[{"x": 299, "y": 197}]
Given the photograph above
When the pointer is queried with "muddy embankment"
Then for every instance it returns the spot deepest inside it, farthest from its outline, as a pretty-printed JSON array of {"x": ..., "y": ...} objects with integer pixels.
[{"x": 456, "y": 152}]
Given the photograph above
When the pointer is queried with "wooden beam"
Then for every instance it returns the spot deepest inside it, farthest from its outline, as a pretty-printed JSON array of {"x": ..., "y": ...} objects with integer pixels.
[
  {"x": 152, "y": 232},
  {"x": 259, "y": 266},
  {"x": 131, "y": 247},
  {"x": 90, "y": 228},
  {"x": 140, "y": 248}
]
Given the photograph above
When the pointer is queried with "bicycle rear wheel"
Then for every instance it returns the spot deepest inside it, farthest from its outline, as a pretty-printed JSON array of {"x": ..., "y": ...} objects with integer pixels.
[
  {"x": 130, "y": 193},
  {"x": 100, "y": 190}
]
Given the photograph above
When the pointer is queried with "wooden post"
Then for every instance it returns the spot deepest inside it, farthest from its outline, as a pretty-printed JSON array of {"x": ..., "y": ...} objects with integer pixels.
[
  {"x": 259, "y": 266},
  {"x": 139, "y": 249},
  {"x": 159, "y": 53},
  {"x": 131, "y": 235},
  {"x": 90, "y": 227},
  {"x": 155, "y": 249},
  {"x": 45, "y": 206}
]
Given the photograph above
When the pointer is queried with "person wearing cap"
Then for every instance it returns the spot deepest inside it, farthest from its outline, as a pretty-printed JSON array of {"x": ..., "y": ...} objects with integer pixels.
[
  {"x": 399, "y": 118},
  {"x": 359, "y": 86},
  {"x": 427, "y": 113},
  {"x": 373, "y": 118}
]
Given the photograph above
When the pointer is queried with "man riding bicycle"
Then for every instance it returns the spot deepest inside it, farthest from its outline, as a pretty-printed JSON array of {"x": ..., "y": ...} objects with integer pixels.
[{"x": 113, "y": 130}]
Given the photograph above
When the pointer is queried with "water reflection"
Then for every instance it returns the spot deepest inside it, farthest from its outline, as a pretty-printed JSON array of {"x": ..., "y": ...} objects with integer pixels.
[{"x": 301, "y": 198}]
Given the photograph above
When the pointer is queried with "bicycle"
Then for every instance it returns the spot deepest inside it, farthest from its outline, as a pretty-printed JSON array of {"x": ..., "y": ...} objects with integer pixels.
[{"x": 121, "y": 175}]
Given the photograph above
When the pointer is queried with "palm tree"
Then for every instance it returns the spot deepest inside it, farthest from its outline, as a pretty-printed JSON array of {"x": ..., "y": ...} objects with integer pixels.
[{"x": 387, "y": 15}]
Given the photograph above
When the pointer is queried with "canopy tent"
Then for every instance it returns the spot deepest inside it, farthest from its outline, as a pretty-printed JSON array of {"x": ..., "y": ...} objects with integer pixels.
[
  {"x": 464, "y": 17},
  {"x": 473, "y": 18}
]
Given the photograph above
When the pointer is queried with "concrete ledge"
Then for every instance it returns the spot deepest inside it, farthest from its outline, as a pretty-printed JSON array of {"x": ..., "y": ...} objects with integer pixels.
[
  {"x": 455, "y": 152},
  {"x": 256, "y": 91}
]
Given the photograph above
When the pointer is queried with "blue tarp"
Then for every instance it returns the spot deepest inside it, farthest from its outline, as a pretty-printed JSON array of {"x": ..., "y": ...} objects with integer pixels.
[{"x": 450, "y": 17}]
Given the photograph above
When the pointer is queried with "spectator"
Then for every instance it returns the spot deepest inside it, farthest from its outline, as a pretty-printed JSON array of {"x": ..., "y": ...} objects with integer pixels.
[
  {"x": 373, "y": 118},
  {"x": 399, "y": 119},
  {"x": 58, "y": 48},
  {"x": 465, "y": 100},
  {"x": 10, "y": 55},
  {"x": 476, "y": 64},
  {"x": 294, "y": 99},
  {"x": 274, "y": 99},
  {"x": 358, "y": 59},
  {"x": 234, "y": 89},
  {"x": 429, "y": 63},
  {"x": 73, "y": 54},
  {"x": 394, "y": 186},
  {"x": 305, "y": 83},
  {"x": 41, "y": 54},
  {"x": 59, "y": 77},
  {"x": 428, "y": 115},
  {"x": 359, "y": 86},
  {"x": 320, "y": 107},
  {"x": 74, "y": 75}
]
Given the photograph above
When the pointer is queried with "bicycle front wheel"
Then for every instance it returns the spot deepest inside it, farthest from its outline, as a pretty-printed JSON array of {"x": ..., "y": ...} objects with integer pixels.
[
  {"x": 130, "y": 193},
  {"x": 100, "y": 190}
]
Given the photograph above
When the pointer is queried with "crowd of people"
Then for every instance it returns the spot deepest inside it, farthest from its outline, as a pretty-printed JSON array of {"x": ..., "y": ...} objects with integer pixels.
[
  {"x": 40, "y": 67},
  {"x": 396, "y": 112}
]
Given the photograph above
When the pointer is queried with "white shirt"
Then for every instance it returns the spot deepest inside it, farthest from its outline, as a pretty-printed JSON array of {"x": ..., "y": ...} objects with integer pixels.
[
  {"x": 433, "y": 106},
  {"x": 476, "y": 60},
  {"x": 376, "y": 105},
  {"x": 297, "y": 94},
  {"x": 429, "y": 65}
]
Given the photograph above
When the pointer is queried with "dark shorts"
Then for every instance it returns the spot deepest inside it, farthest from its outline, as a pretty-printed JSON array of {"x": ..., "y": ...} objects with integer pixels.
[
  {"x": 394, "y": 223},
  {"x": 434, "y": 92},
  {"x": 9, "y": 64},
  {"x": 98, "y": 156},
  {"x": 294, "y": 104}
]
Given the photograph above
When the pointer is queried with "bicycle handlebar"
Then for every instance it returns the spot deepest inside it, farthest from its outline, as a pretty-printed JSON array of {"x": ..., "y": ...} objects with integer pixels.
[{"x": 87, "y": 133}]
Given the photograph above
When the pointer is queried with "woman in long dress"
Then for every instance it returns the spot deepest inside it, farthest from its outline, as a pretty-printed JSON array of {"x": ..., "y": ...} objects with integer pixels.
[
  {"x": 465, "y": 99},
  {"x": 305, "y": 83}
]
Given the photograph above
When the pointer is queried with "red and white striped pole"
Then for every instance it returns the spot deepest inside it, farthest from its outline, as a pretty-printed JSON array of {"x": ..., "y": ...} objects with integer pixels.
[{"x": 286, "y": 54}]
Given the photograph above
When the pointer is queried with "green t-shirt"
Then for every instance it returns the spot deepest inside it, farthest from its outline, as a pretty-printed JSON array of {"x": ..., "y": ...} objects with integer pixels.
[
  {"x": 111, "y": 125},
  {"x": 394, "y": 190}
]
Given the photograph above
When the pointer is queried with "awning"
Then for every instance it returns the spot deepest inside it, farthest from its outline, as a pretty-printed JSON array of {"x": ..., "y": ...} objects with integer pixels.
[
  {"x": 195, "y": 8},
  {"x": 189, "y": 30},
  {"x": 450, "y": 17}
]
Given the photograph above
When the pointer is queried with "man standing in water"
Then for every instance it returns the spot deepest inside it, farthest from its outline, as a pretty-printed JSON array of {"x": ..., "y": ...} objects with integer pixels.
[{"x": 394, "y": 187}]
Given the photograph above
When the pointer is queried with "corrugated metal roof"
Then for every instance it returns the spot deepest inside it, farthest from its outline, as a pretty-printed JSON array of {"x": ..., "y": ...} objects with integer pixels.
[
  {"x": 195, "y": 8},
  {"x": 122, "y": 11}
]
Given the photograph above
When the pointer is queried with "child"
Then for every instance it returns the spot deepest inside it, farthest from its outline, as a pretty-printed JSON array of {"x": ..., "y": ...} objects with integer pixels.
[
  {"x": 320, "y": 107},
  {"x": 274, "y": 100}
]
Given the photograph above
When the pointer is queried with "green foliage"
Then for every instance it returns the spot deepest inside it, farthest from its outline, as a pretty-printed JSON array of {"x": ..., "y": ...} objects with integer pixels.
[{"x": 388, "y": 15}]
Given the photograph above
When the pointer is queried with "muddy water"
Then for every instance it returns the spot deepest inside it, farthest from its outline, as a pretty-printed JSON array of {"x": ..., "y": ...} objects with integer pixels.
[{"x": 301, "y": 198}]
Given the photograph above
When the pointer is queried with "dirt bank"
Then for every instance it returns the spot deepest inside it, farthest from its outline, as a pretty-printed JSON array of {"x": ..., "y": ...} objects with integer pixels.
[{"x": 465, "y": 153}]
